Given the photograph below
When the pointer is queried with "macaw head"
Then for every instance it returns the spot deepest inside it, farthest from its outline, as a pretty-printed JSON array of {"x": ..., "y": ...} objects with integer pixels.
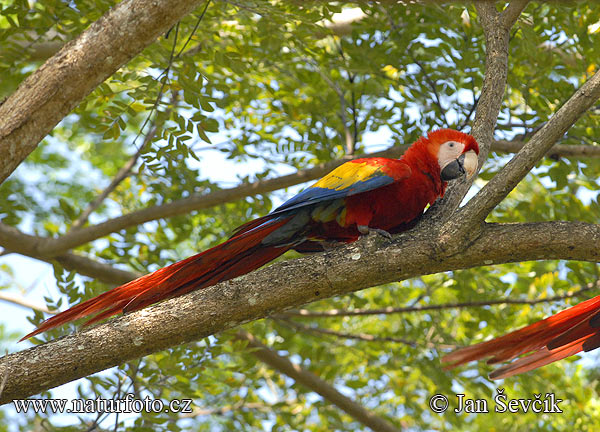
[{"x": 456, "y": 153}]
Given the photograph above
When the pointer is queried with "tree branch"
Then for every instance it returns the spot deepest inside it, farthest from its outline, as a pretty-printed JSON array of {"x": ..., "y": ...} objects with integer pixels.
[
  {"x": 125, "y": 170},
  {"x": 50, "y": 93},
  {"x": 512, "y": 12},
  {"x": 123, "y": 173},
  {"x": 316, "y": 384},
  {"x": 542, "y": 141},
  {"x": 307, "y": 313},
  {"x": 37, "y": 47},
  {"x": 22, "y": 301},
  {"x": 555, "y": 152},
  {"x": 369, "y": 262},
  {"x": 437, "y": 101},
  {"x": 497, "y": 34},
  {"x": 365, "y": 337},
  {"x": 16, "y": 241},
  {"x": 48, "y": 247}
]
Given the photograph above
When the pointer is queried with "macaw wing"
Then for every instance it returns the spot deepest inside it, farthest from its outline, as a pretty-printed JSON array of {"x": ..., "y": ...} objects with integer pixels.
[{"x": 351, "y": 178}]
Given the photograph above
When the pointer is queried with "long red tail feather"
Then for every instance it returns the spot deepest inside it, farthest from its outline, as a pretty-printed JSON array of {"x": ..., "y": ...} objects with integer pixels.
[
  {"x": 559, "y": 336},
  {"x": 239, "y": 255}
]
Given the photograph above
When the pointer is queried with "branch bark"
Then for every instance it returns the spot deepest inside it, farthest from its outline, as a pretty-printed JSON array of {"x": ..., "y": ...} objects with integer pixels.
[
  {"x": 496, "y": 27},
  {"x": 517, "y": 168},
  {"x": 369, "y": 262},
  {"x": 316, "y": 384},
  {"x": 51, "y": 92}
]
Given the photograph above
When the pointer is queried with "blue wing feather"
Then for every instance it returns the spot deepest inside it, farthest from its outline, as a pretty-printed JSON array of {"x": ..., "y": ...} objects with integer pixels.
[
  {"x": 351, "y": 178},
  {"x": 313, "y": 194}
]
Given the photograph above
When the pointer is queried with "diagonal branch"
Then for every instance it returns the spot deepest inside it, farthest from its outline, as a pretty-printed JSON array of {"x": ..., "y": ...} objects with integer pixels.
[
  {"x": 496, "y": 27},
  {"x": 369, "y": 262},
  {"x": 316, "y": 384},
  {"x": 51, "y": 92},
  {"x": 517, "y": 168},
  {"x": 437, "y": 101},
  {"x": 51, "y": 247},
  {"x": 22, "y": 301},
  {"x": 123, "y": 173},
  {"x": 125, "y": 170},
  {"x": 512, "y": 12}
]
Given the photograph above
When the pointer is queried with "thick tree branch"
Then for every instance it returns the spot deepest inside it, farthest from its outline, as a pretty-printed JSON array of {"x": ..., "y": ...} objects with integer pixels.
[
  {"x": 50, "y": 93},
  {"x": 316, "y": 384},
  {"x": 369, "y": 262}
]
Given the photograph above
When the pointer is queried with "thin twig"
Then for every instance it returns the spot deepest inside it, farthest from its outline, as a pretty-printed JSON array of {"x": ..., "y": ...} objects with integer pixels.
[
  {"x": 469, "y": 114},
  {"x": 21, "y": 301},
  {"x": 123, "y": 173},
  {"x": 125, "y": 170},
  {"x": 432, "y": 85},
  {"x": 220, "y": 411},
  {"x": 306, "y": 313},
  {"x": 365, "y": 337}
]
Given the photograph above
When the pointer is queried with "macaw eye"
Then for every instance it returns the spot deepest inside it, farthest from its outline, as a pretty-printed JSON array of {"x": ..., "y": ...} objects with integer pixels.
[{"x": 451, "y": 144}]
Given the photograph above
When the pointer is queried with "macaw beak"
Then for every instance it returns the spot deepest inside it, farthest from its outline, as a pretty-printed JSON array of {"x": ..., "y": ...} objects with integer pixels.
[{"x": 466, "y": 164}]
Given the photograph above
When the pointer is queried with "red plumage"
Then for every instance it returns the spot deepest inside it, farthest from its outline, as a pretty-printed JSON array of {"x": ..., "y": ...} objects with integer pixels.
[
  {"x": 562, "y": 335},
  {"x": 360, "y": 195}
]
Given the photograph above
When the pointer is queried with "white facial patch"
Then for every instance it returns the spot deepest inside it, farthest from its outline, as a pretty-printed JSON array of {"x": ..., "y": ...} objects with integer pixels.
[{"x": 449, "y": 151}]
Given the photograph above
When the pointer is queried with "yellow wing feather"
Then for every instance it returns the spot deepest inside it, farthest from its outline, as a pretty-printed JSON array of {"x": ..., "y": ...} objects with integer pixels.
[{"x": 346, "y": 175}]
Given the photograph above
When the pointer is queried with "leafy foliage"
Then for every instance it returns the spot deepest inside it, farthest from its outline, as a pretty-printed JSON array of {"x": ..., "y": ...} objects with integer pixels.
[{"x": 267, "y": 81}]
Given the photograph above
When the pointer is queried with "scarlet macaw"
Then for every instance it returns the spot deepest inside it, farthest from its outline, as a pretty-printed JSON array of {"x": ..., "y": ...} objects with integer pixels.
[
  {"x": 363, "y": 195},
  {"x": 559, "y": 336}
]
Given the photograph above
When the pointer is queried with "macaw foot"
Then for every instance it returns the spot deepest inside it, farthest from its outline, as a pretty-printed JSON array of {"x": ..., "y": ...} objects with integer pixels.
[{"x": 366, "y": 230}]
